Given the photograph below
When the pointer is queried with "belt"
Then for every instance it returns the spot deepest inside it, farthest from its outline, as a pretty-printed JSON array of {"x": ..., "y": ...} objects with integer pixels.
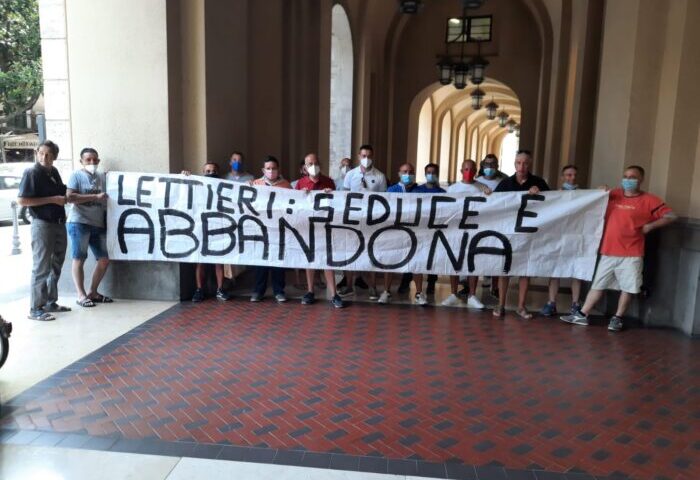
[{"x": 58, "y": 221}]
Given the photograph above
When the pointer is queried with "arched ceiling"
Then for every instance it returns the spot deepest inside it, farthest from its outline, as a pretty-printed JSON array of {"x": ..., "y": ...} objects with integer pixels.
[{"x": 446, "y": 98}]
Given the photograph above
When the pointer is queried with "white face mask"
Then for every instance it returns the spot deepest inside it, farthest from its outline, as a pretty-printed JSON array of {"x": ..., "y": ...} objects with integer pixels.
[
  {"x": 366, "y": 162},
  {"x": 91, "y": 169},
  {"x": 313, "y": 170}
]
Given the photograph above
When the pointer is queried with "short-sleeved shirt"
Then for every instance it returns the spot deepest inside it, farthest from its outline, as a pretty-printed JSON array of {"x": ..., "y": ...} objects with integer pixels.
[
  {"x": 240, "y": 178},
  {"x": 511, "y": 184},
  {"x": 475, "y": 188},
  {"x": 323, "y": 182},
  {"x": 39, "y": 182},
  {"x": 401, "y": 188},
  {"x": 624, "y": 220},
  {"x": 262, "y": 182},
  {"x": 90, "y": 213},
  {"x": 426, "y": 189},
  {"x": 375, "y": 181}
]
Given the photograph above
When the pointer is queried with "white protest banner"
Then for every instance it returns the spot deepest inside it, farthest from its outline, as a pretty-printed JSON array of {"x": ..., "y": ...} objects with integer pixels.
[{"x": 205, "y": 220}]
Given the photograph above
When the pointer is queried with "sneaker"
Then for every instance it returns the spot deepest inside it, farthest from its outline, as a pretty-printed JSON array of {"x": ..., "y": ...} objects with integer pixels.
[
  {"x": 464, "y": 293},
  {"x": 615, "y": 324},
  {"x": 55, "y": 307},
  {"x": 222, "y": 295},
  {"x": 576, "y": 318},
  {"x": 405, "y": 284},
  {"x": 421, "y": 299},
  {"x": 473, "y": 302},
  {"x": 280, "y": 297},
  {"x": 337, "y": 302},
  {"x": 308, "y": 298},
  {"x": 256, "y": 297},
  {"x": 373, "y": 295},
  {"x": 345, "y": 291},
  {"x": 451, "y": 301},
  {"x": 360, "y": 283},
  {"x": 575, "y": 308},
  {"x": 384, "y": 297},
  {"x": 549, "y": 309},
  {"x": 198, "y": 296},
  {"x": 40, "y": 315}
]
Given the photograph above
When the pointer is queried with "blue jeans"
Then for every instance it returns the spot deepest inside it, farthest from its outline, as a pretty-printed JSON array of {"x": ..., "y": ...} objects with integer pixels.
[
  {"x": 83, "y": 235},
  {"x": 261, "y": 280}
]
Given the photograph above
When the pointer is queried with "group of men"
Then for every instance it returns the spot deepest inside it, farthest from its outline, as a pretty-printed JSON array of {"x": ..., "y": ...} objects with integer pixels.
[{"x": 631, "y": 214}]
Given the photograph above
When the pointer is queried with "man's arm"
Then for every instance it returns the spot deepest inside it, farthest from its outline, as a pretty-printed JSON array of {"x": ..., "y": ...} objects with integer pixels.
[
  {"x": 667, "y": 219},
  {"x": 39, "y": 201},
  {"x": 78, "y": 198}
]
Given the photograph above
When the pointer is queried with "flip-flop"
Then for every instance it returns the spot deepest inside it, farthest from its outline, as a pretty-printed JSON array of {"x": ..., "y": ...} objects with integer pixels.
[
  {"x": 524, "y": 314},
  {"x": 44, "y": 317},
  {"x": 99, "y": 298},
  {"x": 85, "y": 302}
]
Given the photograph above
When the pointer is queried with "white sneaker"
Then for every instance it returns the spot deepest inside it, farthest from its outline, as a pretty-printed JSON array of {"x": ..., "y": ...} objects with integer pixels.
[
  {"x": 384, "y": 297},
  {"x": 451, "y": 301},
  {"x": 373, "y": 293},
  {"x": 473, "y": 302},
  {"x": 421, "y": 299}
]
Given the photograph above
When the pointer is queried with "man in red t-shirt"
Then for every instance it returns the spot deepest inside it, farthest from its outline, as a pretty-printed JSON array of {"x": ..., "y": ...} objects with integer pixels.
[
  {"x": 315, "y": 180},
  {"x": 631, "y": 214}
]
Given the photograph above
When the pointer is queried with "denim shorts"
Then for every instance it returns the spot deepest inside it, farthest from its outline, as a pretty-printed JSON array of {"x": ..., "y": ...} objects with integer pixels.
[{"x": 82, "y": 235}]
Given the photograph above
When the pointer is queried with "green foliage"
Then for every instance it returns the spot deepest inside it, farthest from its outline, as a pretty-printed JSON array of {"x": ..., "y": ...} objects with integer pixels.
[{"x": 20, "y": 55}]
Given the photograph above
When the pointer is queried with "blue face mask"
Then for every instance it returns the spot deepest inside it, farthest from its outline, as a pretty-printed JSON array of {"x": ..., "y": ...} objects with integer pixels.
[
  {"x": 407, "y": 179},
  {"x": 488, "y": 171},
  {"x": 568, "y": 186},
  {"x": 629, "y": 184},
  {"x": 431, "y": 178},
  {"x": 236, "y": 166}
]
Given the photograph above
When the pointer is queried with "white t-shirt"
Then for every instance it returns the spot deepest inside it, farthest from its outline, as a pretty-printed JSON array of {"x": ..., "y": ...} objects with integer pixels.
[
  {"x": 375, "y": 180},
  {"x": 491, "y": 183},
  {"x": 475, "y": 188}
]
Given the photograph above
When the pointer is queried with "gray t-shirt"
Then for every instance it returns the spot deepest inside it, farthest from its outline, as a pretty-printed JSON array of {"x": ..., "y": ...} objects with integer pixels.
[{"x": 90, "y": 213}]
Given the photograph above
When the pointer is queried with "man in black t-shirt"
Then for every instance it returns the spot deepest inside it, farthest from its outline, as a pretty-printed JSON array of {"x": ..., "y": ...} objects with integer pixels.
[
  {"x": 522, "y": 181},
  {"x": 43, "y": 191}
]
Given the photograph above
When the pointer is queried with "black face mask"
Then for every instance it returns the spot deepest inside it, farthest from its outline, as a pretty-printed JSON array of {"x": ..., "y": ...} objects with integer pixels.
[{"x": 211, "y": 175}]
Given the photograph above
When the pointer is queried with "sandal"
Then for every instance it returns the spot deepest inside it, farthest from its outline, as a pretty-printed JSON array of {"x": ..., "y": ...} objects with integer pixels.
[
  {"x": 523, "y": 314},
  {"x": 41, "y": 316},
  {"x": 499, "y": 311},
  {"x": 85, "y": 302},
  {"x": 99, "y": 298}
]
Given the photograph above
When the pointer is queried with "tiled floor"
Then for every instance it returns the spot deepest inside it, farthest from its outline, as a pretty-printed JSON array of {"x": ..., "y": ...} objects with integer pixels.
[{"x": 394, "y": 389}]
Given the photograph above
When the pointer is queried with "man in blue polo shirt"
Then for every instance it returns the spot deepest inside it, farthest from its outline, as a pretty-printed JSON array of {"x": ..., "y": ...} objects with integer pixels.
[
  {"x": 43, "y": 191},
  {"x": 407, "y": 183}
]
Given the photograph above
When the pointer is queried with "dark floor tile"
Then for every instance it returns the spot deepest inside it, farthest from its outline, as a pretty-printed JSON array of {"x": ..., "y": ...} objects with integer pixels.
[
  {"x": 491, "y": 473},
  {"x": 373, "y": 464},
  {"x": 345, "y": 462},
  {"x": 23, "y": 437},
  {"x": 460, "y": 471},
  {"x": 316, "y": 460},
  {"x": 47, "y": 439},
  {"x": 231, "y": 452},
  {"x": 289, "y": 457},
  {"x": 432, "y": 469},
  {"x": 402, "y": 467}
]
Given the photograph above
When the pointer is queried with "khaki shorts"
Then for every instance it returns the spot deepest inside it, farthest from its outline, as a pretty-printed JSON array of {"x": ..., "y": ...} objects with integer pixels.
[{"x": 618, "y": 273}]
